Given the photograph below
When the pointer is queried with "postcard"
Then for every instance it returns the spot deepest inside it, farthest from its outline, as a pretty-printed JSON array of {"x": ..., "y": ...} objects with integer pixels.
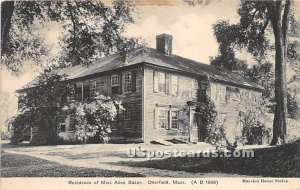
[{"x": 187, "y": 94}]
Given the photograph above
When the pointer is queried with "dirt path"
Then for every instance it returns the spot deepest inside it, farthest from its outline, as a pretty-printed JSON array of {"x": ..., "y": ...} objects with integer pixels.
[{"x": 106, "y": 158}]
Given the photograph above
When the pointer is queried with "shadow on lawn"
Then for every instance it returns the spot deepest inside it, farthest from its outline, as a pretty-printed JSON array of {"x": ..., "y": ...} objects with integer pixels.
[
  {"x": 14, "y": 165},
  {"x": 85, "y": 155},
  {"x": 280, "y": 161}
]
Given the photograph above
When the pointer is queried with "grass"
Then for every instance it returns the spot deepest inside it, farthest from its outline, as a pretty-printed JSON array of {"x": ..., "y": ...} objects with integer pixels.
[
  {"x": 281, "y": 161},
  {"x": 14, "y": 165}
]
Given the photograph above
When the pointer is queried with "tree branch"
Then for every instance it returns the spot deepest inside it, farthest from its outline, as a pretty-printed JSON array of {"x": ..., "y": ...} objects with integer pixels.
[
  {"x": 78, "y": 7},
  {"x": 264, "y": 26}
]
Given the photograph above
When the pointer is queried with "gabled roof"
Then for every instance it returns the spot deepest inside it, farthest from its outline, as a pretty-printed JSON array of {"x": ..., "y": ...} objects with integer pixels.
[{"x": 157, "y": 58}]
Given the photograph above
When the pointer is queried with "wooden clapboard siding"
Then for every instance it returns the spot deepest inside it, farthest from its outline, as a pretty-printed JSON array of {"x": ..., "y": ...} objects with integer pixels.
[
  {"x": 230, "y": 108},
  {"x": 144, "y": 101},
  {"x": 153, "y": 100},
  {"x": 134, "y": 99}
]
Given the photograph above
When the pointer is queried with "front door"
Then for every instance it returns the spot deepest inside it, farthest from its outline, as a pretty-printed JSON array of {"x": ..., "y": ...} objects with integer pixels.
[{"x": 194, "y": 127}]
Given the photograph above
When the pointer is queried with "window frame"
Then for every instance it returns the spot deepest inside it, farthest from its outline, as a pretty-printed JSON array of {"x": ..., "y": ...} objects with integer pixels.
[
  {"x": 164, "y": 119},
  {"x": 159, "y": 83},
  {"x": 78, "y": 88},
  {"x": 62, "y": 127},
  {"x": 93, "y": 88},
  {"x": 102, "y": 85},
  {"x": 125, "y": 83},
  {"x": 164, "y": 115},
  {"x": 171, "y": 119},
  {"x": 220, "y": 97},
  {"x": 112, "y": 78}
]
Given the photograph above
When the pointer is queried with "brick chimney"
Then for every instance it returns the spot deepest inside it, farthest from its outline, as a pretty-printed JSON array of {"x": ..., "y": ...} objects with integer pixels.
[{"x": 164, "y": 43}]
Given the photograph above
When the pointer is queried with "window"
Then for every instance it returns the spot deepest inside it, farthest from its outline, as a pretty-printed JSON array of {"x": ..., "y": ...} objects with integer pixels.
[
  {"x": 174, "y": 122},
  {"x": 86, "y": 91},
  {"x": 222, "y": 94},
  {"x": 115, "y": 84},
  {"x": 101, "y": 86},
  {"x": 114, "y": 80},
  {"x": 162, "y": 118},
  {"x": 218, "y": 93},
  {"x": 78, "y": 91},
  {"x": 127, "y": 82},
  {"x": 245, "y": 94},
  {"x": 161, "y": 82},
  {"x": 232, "y": 94},
  {"x": 62, "y": 127},
  {"x": 167, "y": 118},
  {"x": 92, "y": 88},
  {"x": 174, "y": 84}
]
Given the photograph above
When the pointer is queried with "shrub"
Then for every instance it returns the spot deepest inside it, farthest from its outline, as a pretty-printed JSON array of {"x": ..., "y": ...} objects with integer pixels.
[
  {"x": 93, "y": 119},
  {"x": 253, "y": 115},
  {"x": 19, "y": 128},
  {"x": 5, "y": 133}
]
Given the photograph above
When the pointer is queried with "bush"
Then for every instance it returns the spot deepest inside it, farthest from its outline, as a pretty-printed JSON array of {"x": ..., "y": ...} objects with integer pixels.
[
  {"x": 253, "y": 115},
  {"x": 93, "y": 119},
  {"x": 19, "y": 129},
  {"x": 5, "y": 133}
]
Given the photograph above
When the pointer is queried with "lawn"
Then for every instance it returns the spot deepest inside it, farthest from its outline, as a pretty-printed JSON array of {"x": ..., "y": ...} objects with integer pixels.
[
  {"x": 281, "y": 161},
  {"x": 15, "y": 165}
]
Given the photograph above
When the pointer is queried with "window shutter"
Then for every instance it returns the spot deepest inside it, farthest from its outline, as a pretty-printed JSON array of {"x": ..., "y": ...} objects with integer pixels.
[
  {"x": 73, "y": 92},
  {"x": 168, "y": 84},
  {"x": 228, "y": 92},
  {"x": 223, "y": 94},
  {"x": 105, "y": 89},
  {"x": 155, "y": 81},
  {"x": 86, "y": 90},
  {"x": 218, "y": 94},
  {"x": 120, "y": 84},
  {"x": 155, "y": 123},
  {"x": 72, "y": 123},
  {"x": 133, "y": 80},
  {"x": 180, "y": 118},
  {"x": 108, "y": 86},
  {"x": 177, "y": 85},
  {"x": 168, "y": 119},
  {"x": 78, "y": 91}
]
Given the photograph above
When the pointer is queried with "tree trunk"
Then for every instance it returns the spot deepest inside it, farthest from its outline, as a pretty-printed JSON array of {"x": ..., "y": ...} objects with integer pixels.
[
  {"x": 7, "y": 9},
  {"x": 280, "y": 34}
]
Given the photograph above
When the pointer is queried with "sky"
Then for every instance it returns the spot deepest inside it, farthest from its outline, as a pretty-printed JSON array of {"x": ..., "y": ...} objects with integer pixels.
[{"x": 191, "y": 28}]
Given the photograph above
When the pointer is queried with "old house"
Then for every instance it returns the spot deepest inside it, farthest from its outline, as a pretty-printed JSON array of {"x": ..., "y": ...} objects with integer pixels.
[{"x": 156, "y": 88}]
